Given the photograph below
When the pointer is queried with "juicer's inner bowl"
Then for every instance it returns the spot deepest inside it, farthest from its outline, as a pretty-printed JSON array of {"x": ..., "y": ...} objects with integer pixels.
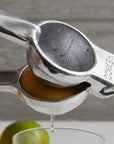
[{"x": 65, "y": 46}]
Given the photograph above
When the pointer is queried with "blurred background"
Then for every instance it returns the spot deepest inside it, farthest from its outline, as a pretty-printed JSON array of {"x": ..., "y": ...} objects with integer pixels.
[{"x": 95, "y": 18}]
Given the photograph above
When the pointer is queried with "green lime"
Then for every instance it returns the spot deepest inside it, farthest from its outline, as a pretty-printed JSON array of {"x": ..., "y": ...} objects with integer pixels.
[
  {"x": 36, "y": 136},
  {"x": 32, "y": 137}
]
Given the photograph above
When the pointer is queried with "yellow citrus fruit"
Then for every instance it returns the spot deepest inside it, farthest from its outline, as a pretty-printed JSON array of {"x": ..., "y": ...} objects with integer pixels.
[{"x": 11, "y": 130}]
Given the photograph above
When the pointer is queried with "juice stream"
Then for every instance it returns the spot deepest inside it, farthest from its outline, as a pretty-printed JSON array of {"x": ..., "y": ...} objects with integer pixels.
[{"x": 52, "y": 123}]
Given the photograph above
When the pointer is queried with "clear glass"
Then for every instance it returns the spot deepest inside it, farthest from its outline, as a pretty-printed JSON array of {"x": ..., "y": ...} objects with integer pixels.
[{"x": 59, "y": 136}]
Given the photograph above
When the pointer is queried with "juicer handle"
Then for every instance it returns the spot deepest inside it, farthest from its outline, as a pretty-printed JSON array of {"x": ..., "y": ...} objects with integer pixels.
[
  {"x": 17, "y": 29},
  {"x": 8, "y": 81},
  {"x": 102, "y": 74}
]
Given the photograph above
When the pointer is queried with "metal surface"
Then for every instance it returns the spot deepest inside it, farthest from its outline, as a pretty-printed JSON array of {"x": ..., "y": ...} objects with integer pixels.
[
  {"x": 61, "y": 54},
  {"x": 10, "y": 82},
  {"x": 64, "y": 56},
  {"x": 17, "y": 29},
  {"x": 68, "y": 57}
]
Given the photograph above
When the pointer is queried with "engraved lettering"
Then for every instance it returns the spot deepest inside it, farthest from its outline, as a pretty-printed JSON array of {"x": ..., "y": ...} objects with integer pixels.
[{"x": 108, "y": 67}]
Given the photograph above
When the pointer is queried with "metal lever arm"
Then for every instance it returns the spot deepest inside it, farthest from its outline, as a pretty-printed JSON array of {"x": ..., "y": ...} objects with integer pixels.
[
  {"x": 16, "y": 29},
  {"x": 8, "y": 81},
  {"x": 102, "y": 74}
]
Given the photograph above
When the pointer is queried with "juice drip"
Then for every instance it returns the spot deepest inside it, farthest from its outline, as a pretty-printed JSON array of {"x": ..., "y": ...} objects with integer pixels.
[{"x": 52, "y": 123}]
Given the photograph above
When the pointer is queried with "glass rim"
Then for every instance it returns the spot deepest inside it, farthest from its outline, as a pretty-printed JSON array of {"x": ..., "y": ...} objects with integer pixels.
[{"x": 61, "y": 128}]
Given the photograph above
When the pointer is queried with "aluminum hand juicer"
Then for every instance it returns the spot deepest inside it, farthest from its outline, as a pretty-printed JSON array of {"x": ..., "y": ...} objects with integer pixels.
[{"x": 61, "y": 55}]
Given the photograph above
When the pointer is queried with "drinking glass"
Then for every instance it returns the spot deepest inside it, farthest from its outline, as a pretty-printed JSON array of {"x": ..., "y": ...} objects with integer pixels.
[{"x": 58, "y": 136}]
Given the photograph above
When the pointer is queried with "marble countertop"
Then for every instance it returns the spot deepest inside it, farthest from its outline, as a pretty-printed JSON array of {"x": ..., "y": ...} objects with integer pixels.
[{"x": 105, "y": 129}]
